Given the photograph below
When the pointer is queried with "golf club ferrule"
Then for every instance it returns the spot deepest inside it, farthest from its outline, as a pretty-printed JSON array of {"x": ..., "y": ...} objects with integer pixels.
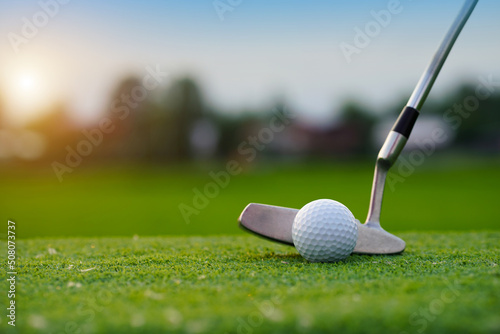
[{"x": 406, "y": 121}]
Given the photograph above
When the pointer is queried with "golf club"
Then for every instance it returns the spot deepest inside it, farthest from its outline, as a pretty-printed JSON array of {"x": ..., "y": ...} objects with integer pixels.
[{"x": 275, "y": 223}]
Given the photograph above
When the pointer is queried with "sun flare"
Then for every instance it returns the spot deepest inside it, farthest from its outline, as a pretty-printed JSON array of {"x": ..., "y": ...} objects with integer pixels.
[
  {"x": 28, "y": 95},
  {"x": 27, "y": 83},
  {"x": 27, "y": 91}
]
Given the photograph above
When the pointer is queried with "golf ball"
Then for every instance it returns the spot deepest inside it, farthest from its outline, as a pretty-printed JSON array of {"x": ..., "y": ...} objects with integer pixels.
[{"x": 324, "y": 231}]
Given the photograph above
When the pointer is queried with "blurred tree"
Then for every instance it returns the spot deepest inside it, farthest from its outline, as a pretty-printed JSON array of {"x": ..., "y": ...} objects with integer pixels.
[
  {"x": 125, "y": 88},
  {"x": 360, "y": 121},
  {"x": 123, "y": 113},
  {"x": 184, "y": 104},
  {"x": 57, "y": 129},
  {"x": 156, "y": 128},
  {"x": 476, "y": 121}
]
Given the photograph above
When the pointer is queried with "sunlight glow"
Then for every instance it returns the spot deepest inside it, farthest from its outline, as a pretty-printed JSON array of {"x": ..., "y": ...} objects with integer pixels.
[
  {"x": 28, "y": 95},
  {"x": 27, "y": 90},
  {"x": 27, "y": 82}
]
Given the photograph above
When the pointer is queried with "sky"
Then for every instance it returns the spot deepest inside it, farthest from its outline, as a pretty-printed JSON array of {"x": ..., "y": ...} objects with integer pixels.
[{"x": 244, "y": 56}]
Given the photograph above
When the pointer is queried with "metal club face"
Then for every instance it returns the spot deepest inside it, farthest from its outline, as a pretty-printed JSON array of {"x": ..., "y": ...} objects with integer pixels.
[{"x": 275, "y": 223}]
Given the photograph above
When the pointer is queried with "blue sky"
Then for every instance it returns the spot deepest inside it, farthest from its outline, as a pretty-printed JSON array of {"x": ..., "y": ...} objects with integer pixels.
[{"x": 262, "y": 49}]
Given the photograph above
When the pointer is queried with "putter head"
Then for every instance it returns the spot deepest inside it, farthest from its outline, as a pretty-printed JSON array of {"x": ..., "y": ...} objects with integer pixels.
[{"x": 275, "y": 223}]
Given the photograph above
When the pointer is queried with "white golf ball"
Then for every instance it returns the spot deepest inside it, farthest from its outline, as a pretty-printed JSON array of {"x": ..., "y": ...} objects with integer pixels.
[{"x": 324, "y": 231}]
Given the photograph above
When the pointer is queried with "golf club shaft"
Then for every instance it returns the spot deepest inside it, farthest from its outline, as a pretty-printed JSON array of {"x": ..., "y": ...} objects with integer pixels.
[
  {"x": 398, "y": 136},
  {"x": 424, "y": 86}
]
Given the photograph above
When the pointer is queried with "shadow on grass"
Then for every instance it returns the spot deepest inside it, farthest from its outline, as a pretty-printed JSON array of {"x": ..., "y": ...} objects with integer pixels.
[{"x": 297, "y": 258}]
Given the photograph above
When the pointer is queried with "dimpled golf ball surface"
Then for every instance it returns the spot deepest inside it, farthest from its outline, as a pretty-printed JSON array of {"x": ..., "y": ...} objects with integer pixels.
[{"x": 324, "y": 231}]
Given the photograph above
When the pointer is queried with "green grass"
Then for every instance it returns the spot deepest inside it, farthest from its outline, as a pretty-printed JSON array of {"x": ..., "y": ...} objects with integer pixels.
[
  {"x": 457, "y": 194},
  {"x": 443, "y": 283}
]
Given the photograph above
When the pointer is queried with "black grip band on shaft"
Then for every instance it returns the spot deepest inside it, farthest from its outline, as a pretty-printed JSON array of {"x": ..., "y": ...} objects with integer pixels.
[{"x": 406, "y": 121}]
